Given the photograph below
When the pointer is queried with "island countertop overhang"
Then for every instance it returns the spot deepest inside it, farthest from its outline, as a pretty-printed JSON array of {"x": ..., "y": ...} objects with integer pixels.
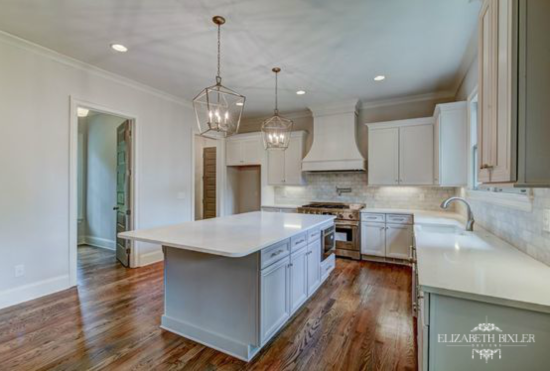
[{"x": 231, "y": 236}]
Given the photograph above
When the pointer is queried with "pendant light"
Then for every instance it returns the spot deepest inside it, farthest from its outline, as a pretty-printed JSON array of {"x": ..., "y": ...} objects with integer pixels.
[
  {"x": 218, "y": 109},
  {"x": 276, "y": 129}
]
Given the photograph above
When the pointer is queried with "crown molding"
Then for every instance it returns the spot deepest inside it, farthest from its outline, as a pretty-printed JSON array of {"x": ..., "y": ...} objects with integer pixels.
[
  {"x": 29, "y": 46},
  {"x": 289, "y": 115},
  {"x": 408, "y": 99}
]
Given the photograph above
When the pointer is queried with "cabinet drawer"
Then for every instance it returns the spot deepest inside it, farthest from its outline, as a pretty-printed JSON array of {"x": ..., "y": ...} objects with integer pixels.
[
  {"x": 371, "y": 217},
  {"x": 399, "y": 218},
  {"x": 313, "y": 234},
  {"x": 327, "y": 266},
  {"x": 273, "y": 254},
  {"x": 298, "y": 241}
]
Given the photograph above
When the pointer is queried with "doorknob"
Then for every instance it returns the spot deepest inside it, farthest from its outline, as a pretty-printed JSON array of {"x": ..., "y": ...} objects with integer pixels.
[{"x": 115, "y": 208}]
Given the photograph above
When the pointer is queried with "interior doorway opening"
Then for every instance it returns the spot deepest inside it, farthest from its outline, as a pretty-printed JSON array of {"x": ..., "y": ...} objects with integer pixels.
[{"x": 104, "y": 186}]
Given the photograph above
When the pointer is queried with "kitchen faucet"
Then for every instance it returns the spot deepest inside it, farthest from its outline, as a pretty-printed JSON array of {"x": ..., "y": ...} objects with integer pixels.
[
  {"x": 471, "y": 221},
  {"x": 342, "y": 190}
]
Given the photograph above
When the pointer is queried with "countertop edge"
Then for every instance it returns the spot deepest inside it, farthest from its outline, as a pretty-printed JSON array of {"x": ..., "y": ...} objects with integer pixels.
[{"x": 222, "y": 253}]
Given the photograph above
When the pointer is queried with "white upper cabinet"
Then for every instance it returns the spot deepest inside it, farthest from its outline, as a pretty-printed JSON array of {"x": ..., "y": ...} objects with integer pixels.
[
  {"x": 383, "y": 164},
  {"x": 497, "y": 133},
  {"x": 451, "y": 144},
  {"x": 285, "y": 167},
  {"x": 401, "y": 152},
  {"x": 416, "y": 154},
  {"x": 243, "y": 150}
]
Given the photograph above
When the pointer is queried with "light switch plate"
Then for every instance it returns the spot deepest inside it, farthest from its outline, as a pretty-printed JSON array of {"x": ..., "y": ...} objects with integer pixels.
[{"x": 546, "y": 220}]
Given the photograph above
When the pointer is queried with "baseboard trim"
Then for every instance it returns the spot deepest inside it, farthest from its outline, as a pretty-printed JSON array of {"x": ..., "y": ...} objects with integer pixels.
[
  {"x": 150, "y": 258},
  {"x": 210, "y": 339},
  {"x": 100, "y": 242},
  {"x": 34, "y": 290}
]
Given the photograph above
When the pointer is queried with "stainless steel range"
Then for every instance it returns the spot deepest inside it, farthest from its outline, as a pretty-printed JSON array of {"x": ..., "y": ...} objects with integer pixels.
[{"x": 347, "y": 223}]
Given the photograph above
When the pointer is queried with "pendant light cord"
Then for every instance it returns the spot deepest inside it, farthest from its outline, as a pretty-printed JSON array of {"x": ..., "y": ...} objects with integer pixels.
[
  {"x": 219, "y": 77},
  {"x": 276, "y": 89}
]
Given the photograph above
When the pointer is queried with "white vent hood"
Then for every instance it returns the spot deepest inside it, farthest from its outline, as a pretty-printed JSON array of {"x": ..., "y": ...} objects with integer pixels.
[{"x": 334, "y": 145}]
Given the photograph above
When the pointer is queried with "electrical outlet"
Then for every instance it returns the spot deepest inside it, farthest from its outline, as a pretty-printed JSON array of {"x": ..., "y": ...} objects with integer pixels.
[
  {"x": 546, "y": 220},
  {"x": 19, "y": 270}
]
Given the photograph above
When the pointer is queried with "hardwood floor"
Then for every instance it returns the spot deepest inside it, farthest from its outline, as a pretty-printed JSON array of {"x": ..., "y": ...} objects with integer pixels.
[{"x": 358, "y": 320}]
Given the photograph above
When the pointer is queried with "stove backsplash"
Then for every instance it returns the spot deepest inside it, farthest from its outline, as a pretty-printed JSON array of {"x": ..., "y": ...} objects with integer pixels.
[{"x": 322, "y": 187}]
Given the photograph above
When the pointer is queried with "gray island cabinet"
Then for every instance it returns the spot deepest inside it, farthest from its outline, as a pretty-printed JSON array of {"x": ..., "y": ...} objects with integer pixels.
[{"x": 232, "y": 283}]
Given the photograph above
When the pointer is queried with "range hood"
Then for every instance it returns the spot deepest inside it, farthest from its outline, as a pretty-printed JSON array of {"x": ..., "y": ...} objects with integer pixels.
[{"x": 334, "y": 145}]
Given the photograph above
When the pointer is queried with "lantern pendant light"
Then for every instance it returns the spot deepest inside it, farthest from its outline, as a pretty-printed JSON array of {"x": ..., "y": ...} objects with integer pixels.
[
  {"x": 276, "y": 130},
  {"x": 218, "y": 109}
]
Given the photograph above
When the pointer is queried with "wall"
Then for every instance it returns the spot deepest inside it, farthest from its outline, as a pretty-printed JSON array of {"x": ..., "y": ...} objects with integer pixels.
[
  {"x": 523, "y": 229},
  {"x": 101, "y": 179},
  {"x": 34, "y": 161},
  {"x": 322, "y": 187},
  {"x": 249, "y": 193}
]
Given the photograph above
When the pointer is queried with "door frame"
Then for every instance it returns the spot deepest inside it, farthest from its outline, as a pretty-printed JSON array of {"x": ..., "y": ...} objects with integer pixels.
[{"x": 73, "y": 171}]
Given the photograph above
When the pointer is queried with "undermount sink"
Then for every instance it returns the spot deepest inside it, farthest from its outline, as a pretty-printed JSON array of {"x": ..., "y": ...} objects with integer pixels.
[{"x": 443, "y": 228}]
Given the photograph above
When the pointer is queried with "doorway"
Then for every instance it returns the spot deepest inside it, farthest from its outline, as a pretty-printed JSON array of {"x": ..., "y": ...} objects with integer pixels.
[
  {"x": 102, "y": 158},
  {"x": 206, "y": 192}
]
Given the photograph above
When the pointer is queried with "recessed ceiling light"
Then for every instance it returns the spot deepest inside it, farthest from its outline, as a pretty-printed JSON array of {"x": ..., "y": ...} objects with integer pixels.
[
  {"x": 82, "y": 112},
  {"x": 119, "y": 48},
  {"x": 239, "y": 104},
  {"x": 379, "y": 78},
  {"x": 301, "y": 92}
]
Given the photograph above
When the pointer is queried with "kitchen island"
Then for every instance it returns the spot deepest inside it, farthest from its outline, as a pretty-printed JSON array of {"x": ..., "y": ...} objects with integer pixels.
[{"x": 231, "y": 283}]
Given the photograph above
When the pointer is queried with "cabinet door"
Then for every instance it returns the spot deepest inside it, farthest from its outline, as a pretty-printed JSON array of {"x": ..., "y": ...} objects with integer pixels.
[
  {"x": 275, "y": 167},
  {"x": 275, "y": 303},
  {"x": 313, "y": 266},
  {"x": 384, "y": 156},
  {"x": 437, "y": 150},
  {"x": 251, "y": 154},
  {"x": 416, "y": 155},
  {"x": 497, "y": 140},
  {"x": 293, "y": 162},
  {"x": 398, "y": 241},
  {"x": 373, "y": 239},
  {"x": 233, "y": 153},
  {"x": 298, "y": 279}
]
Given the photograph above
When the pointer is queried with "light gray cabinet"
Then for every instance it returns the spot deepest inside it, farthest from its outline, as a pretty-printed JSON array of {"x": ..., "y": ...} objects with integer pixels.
[
  {"x": 313, "y": 266},
  {"x": 285, "y": 167},
  {"x": 298, "y": 279},
  {"x": 386, "y": 235},
  {"x": 243, "y": 150},
  {"x": 275, "y": 298}
]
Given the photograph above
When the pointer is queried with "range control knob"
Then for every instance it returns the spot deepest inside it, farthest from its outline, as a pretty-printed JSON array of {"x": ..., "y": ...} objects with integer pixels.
[{"x": 341, "y": 216}]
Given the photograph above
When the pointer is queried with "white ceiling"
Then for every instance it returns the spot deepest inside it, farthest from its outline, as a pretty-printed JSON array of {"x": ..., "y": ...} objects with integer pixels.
[{"x": 330, "y": 48}]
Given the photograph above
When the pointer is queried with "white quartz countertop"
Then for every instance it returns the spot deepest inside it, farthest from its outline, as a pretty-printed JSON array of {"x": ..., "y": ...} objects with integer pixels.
[
  {"x": 478, "y": 265},
  {"x": 233, "y": 236}
]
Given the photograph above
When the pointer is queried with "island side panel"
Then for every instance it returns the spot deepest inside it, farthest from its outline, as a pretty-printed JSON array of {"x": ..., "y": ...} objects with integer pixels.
[{"x": 213, "y": 299}]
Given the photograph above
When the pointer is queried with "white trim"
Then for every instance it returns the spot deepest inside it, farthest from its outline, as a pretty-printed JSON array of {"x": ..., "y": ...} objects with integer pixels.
[
  {"x": 401, "y": 123},
  {"x": 407, "y": 99},
  {"x": 519, "y": 202},
  {"x": 99, "y": 242},
  {"x": 215, "y": 341},
  {"x": 150, "y": 258},
  {"x": 74, "y": 103},
  {"x": 33, "y": 290},
  {"x": 75, "y": 63}
]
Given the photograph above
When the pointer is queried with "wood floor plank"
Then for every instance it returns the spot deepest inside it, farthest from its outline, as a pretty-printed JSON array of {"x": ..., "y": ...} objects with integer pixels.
[{"x": 359, "y": 319}]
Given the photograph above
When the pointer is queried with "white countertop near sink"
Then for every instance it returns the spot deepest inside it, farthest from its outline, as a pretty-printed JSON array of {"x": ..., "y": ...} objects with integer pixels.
[
  {"x": 233, "y": 236},
  {"x": 479, "y": 266}
]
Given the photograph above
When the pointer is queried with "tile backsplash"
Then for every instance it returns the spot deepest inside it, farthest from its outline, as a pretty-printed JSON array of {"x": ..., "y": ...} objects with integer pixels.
[
  {"x": 522, "y": 229},
  {"x": 322, "y": 187}
]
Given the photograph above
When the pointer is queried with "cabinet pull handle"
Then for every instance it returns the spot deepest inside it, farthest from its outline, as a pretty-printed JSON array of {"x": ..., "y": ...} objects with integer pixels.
[
  {"x": 277, "y": 253},
  {"x": 486, "y": 166}
]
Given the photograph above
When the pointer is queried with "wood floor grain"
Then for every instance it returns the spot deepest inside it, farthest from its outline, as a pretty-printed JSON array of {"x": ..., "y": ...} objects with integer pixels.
[{"x": 358, "y": 320}]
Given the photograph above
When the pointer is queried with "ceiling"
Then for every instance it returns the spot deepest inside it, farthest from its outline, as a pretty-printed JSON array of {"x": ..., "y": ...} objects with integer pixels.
[{"x": 330, "y": 48}]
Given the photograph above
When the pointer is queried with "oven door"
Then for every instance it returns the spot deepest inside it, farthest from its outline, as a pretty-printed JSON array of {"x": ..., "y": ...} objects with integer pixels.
[
  {"x": 328, "y": 242},
  {"x": 347, "y": 239}
]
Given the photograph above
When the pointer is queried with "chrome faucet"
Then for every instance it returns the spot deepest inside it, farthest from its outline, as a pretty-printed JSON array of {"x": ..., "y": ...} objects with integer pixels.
[{"x": 471, "y": 221}]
